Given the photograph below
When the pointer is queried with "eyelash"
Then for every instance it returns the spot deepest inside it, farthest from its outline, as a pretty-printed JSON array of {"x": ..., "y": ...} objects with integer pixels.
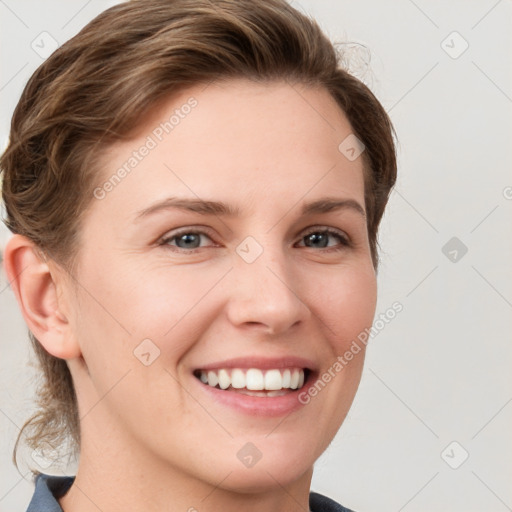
[{"x": 344, "y": 240}]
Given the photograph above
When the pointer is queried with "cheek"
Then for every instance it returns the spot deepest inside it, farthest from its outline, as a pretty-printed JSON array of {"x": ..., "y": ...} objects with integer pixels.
[
  {"x": 128, "y": 304},
  {"x": 345, "y": 300},
  {"x": 164, "y": 301}
]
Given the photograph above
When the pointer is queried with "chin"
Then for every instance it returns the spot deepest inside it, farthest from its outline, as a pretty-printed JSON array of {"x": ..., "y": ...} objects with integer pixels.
[
  {"x": 264, "y": 463},
  {"x": 265, "y": 478}
]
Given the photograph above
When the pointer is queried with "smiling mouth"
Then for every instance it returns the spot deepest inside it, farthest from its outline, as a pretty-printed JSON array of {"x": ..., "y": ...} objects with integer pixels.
[{"x": 255, "y": 382}]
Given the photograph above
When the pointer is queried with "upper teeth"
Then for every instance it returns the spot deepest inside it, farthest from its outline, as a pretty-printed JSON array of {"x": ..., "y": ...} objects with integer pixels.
[{"x": 254, "y": 379}]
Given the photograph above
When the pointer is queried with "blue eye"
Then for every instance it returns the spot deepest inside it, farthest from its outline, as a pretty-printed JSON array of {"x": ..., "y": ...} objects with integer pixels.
[
  {"x": 321, "y": 239},
  {"x": 185, "y": 240}
]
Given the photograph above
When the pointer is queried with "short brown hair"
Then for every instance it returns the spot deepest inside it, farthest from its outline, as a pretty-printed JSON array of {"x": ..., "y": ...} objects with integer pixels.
[{"x": 97, "y": 87}]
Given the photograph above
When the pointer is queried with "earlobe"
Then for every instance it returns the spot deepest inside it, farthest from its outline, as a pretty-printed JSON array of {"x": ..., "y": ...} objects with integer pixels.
[{"x": 36, "y": 288}]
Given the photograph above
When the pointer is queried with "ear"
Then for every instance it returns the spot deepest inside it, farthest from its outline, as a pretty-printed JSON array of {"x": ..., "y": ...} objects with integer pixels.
[{"x": 39, "y": 291}]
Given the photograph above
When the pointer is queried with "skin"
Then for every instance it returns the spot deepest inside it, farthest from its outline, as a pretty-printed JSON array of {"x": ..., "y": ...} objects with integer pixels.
[{"x": 267, "y": 149}]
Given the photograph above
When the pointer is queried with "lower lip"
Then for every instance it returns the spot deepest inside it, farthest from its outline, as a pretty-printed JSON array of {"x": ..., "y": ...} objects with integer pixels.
[{"x": 256, "y": 405}]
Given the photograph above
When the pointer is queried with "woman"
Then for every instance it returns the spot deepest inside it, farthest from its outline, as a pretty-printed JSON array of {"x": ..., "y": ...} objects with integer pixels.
[{"x": 195, "y": 189}]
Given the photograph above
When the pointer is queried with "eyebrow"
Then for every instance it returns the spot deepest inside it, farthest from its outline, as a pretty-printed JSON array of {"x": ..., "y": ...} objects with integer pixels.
[{"x": 218, "y": 208}]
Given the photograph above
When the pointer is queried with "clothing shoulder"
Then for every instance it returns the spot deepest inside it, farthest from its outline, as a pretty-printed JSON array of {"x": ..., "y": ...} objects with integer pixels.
[
  {"x": 48, "y": 489},
  {"x": 320, "y": 503}
]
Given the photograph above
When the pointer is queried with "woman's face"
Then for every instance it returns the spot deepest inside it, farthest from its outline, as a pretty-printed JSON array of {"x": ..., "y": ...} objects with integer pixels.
[{"x": 210, "y": 257}]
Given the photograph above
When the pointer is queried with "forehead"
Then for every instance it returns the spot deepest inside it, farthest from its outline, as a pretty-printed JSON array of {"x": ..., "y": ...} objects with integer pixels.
[{"x": 256, "y": 141}]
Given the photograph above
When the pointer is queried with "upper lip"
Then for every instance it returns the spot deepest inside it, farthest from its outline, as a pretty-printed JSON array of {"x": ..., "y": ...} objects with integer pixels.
[{"x": 261, "y": 362}]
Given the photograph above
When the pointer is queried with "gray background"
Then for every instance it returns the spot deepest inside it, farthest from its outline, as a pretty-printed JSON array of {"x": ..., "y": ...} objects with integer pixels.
[{"x": 440, "y": 371}]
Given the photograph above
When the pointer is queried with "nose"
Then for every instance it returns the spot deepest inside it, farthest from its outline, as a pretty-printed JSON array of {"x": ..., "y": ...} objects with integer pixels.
[{"x": 263, "y": 297}]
